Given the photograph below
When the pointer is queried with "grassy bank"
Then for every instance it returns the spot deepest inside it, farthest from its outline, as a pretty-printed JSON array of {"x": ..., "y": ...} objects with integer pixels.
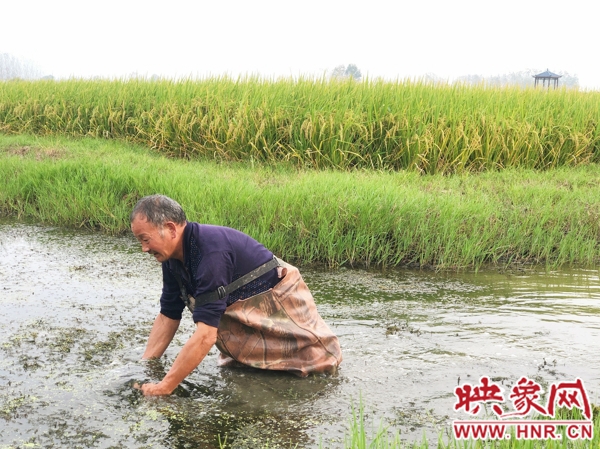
[
  {"x": 319, "y": 124},
  {"x": 352, "y": 217}
]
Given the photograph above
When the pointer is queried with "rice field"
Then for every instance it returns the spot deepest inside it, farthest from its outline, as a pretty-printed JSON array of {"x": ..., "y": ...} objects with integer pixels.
[{"x": 429, "y": 129}]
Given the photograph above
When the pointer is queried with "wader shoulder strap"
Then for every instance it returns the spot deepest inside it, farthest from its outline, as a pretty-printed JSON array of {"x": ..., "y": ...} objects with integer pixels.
[{"x": 223, "y": 291}]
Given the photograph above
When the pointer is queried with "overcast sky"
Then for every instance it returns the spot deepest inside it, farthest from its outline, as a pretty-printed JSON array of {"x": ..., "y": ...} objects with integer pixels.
[{"x": 384, "y": 38}]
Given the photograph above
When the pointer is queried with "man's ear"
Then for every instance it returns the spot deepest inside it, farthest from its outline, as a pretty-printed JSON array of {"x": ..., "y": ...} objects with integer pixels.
[{"x": 171, "y": 229}]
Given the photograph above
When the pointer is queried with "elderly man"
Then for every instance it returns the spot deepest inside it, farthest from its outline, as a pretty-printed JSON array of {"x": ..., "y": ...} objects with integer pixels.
[{"x": 253, "y": 306}]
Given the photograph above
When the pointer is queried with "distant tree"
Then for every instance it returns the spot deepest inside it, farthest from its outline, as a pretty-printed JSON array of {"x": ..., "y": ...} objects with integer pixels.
[
  {"x": 353, "y": 71},
  {"x": 432, "y": 78},
  {"x": 12, "y": 67},
  {"x": 349, "y": 71},
  {"x": 339, "y": 71},
  {"x": 470, "y": 79},
  {"x": 568, "y": 80}
]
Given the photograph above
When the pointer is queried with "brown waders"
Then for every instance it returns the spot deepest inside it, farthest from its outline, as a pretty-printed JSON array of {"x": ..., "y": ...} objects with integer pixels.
[{"x": 279, "y": 329}]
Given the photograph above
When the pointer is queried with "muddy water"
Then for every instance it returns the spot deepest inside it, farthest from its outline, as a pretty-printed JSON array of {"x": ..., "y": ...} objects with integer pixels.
[{"x": 76, "y": 308}]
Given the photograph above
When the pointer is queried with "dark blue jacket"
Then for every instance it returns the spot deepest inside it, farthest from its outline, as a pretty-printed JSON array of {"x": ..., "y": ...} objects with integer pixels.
[{"x": 214, "y": 256}]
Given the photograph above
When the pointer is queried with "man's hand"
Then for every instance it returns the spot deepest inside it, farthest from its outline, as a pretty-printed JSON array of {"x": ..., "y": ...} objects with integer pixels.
[
  {"x": 190, "y": 356},
  {"x": 151, "y": 389}
]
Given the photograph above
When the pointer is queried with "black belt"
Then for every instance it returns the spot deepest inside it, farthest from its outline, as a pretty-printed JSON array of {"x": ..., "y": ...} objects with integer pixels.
[{"x": 223, "y": 291}]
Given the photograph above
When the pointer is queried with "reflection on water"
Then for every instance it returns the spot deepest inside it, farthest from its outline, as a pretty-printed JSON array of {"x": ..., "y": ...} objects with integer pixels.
[{"x": 76, "y": 310}]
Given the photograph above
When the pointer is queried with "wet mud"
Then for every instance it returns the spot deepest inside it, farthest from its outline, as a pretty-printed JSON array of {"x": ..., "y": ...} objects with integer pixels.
[{"x": 76, "y": 309}]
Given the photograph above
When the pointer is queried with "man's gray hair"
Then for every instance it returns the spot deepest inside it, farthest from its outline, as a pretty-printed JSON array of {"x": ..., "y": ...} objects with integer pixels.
[{"x": 158, "y": 209}]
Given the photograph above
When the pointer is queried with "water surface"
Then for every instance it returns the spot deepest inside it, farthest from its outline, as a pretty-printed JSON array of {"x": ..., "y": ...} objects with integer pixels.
[{"x": 76, "y": 309}]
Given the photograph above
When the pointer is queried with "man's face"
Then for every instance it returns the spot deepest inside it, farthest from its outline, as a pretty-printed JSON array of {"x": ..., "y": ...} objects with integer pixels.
[{"x": 154, "y": 240}]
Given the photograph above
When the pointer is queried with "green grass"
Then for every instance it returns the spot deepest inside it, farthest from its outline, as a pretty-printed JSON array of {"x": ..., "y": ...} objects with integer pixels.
[
  {"x": 319, "y": 123},
  {"x": 358, "y": 217},
  {"x": 362, "y": 436}
]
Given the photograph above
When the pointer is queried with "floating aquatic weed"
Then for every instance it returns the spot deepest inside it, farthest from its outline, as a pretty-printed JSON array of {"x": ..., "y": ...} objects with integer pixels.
[
  {"x": 396, "y": 328},
  {"x": 412, "y": 417},
  {"x": 18, "y": 406}
]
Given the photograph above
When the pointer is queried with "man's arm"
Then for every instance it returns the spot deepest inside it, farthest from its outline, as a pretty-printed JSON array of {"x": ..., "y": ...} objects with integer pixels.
[
  {"x": 192, "y": 353},
  {"x": 161, "y": 335}
]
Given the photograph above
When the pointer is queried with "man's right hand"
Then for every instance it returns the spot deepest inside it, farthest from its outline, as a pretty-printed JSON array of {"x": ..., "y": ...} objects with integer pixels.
[
  {"x": 190, "y": 356},
  {"x": 152, "y": 389}
]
